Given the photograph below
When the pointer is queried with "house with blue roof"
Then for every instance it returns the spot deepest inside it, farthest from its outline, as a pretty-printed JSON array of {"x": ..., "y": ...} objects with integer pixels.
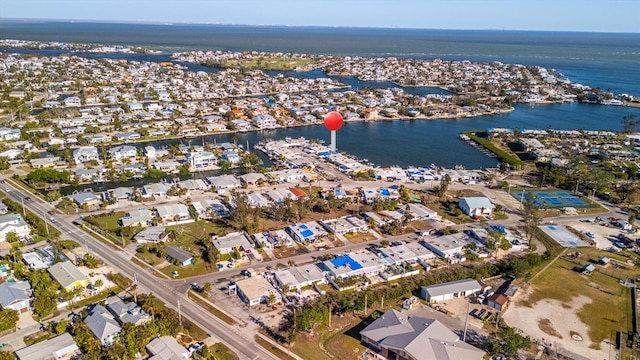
[
  {"x": 306, "y": 233},
  {"x": 476, "y": 206}
]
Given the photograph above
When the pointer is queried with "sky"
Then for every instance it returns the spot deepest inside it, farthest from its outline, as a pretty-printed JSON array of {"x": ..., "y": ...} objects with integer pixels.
[{"x": 544, "y": 15}]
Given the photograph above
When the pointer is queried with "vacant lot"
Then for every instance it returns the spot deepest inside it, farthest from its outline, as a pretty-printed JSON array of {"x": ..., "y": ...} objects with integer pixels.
[{"x": 562, "y": 301}]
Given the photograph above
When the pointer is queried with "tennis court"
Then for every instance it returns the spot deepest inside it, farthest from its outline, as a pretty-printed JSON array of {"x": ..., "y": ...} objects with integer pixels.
[{"x": 551, "y": 199}]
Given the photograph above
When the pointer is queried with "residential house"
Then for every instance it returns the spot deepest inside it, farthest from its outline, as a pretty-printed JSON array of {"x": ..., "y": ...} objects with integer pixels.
[
  {"x": 288, "y": 175},
  {"x": 102, "y": 324},
  {"x": 199, "y": 160},
  {"x": 421, "y": 212},
  {"x": 154, "y": 234},
  {"x": 231, "y": 156},
  {"x": 46, "y": 162},
  {"x": 448, "y": 246},
  {"x": 174, "y": 213},
  {"x": 223, "y": 182},
  {"x": 68, "y": 275},
  {"x": 307, "y": 232},
  {"x": 166, "y": 348},
  {"x": 346, "y": 224},
  {"x": 8, "y": 134},
  {"x": 498, "y": 301},
  {"x": 138, "y": 217},
  {"x": 298, "y": 277},
  {"x": 397, "y": 335},
  {"x": 72, "y": 101},
  {"x": 122, "y": 152},
  {"x": 155, "y": 190},
  {"x": 210, "y": 208},
  {"x": 85, "y": 154},
  {"x": 127, "y": 136},
  {"x": 265, "y": 121},
  {"x": 256, "y": 290},
  {"x": 253, "y": 178},
  {"x": 13, "y": 223},
  {"x": 59, "y": 348},
  {"x": 476, "y": 206},
  {"x": 180, "y": 255},
  {"x": 85, "y": 199},
  {"x": 231, "y": 242},
  {"x": 272, "y": 239},
  {"x": 3, "y": 208},
  {"x": 127, "y": 312},
  {"x": 15, "y": 296},
  {"x": 451, "y": 290}
]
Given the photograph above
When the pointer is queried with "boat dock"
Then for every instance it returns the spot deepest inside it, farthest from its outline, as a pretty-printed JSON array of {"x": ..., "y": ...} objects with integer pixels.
[{"x": 479, "y": 147}]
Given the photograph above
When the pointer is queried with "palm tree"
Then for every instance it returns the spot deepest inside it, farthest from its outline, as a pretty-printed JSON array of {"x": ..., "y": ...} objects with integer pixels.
[
  {"x": 148, "y": 303},
  {"x": 134, "y": 291},
  {"x": 98, "y": 284}
]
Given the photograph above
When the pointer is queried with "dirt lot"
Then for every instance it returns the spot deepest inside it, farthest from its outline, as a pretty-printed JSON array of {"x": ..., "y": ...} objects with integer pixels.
[
  {"x": 603, "y": 235},
  {"x": 556, "y": 322}
]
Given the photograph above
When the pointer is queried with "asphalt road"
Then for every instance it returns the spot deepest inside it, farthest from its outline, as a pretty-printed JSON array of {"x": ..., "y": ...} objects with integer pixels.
[{"x": 237, "y": 339}]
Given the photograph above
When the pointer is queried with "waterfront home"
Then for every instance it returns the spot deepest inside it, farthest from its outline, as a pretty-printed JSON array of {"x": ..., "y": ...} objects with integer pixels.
[
  {"x": 72, "y": 101},
  {"x": 122, "y": 152},
  {"x": 127, "y": 136},
  {"x": 99, "y": 138},
  {"x": 231, "y": 242},
  {"x": 138, "y": 217},
  {"x": 200, "y": 160},
  {"x": 135, "y": 106},
  {"x": 288, "y": 175},
  {"x": 451, "y": 290},
  {"x": 68, "y": 275},
  {"x": 152, "y": 234},
  {"x": 295, "y": 278},
  {"x": 167, "y": 166},
  {"x": 253, "y": 178},
  {"x": 11, "y": 154},
  {"x": 85, "y": 154},
  {"x": 265, "y": 121},
  {"x": 102, "y": 324},
  {"x": 307, "y": 232},
  {"x": 272, "y": 239},
  {"x": 173, "y": 214},
  {"x": 45, "y": 162},
  {"x": 166, "y": 347},
  {"x": 223, "y": 182},
  {"x": 16, "y": 296},
  {"x": 193, "y": 184},
  {"x": 155, "y": 190},
  {"x": 396, "y": 335},
  {"x": 476, "y": 206},
  {"x": 8, "y": 134},
  {"x": 231, "y": 156},
  {"x": 256, "y": 289},
  {"x": 60, "y": 347},
  {"x": 13, "y": 223},
  {"x": 85, "y": 200},
  {"x": 150, "y": 152},
  {"x": 183, "y": 257}
]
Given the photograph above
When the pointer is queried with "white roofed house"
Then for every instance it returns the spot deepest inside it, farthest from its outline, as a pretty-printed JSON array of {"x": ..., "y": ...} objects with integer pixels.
[
  {"x": 13, "y": 223},
  {"x": 138, "y": 217},
  {"x": 8, "y": 134},
  {"x": 173, "y": 214},
  {"x": 451, "y": 290},
  {"x": 199, "y": 160},
  {"x": 85, "y": 154},
  {"x": 233, "y": 241},
  {"x": 256, "y": 200},
  {"x": 450, "y": 247},
  {"x": 155, "y": 189},
  {"x": 476, "y": 206},
  {"x": 300, "y": 276},
  {"x": 265, "y": 121},
  {"x": 166, "y": 348},
  {"x": 272, "y": 239},
  {"x": 253, "y": 178},
  {"x": 421, "y": 212},
  {"x": 210, "y": 208},
  {"x": 223, "y": 183},
  {"x": 288, "y": 175},
  {"x": 256, "y": 290},
  {"x": 122, "y": 152},
  {"x": 58, "y": 348},
  {"x": 154, "y": 234}
]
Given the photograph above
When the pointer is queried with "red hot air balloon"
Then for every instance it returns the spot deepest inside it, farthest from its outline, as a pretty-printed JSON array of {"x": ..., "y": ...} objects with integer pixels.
[{"x": 333, "y": 121}]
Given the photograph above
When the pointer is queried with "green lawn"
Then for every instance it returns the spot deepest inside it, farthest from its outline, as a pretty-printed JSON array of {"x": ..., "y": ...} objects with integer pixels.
[
  {"x": 609, "y": 310},
  {"x": 198, "y": 268},
  {"x": 222, "y": 352},
  {"x": 108, "y": 222}
]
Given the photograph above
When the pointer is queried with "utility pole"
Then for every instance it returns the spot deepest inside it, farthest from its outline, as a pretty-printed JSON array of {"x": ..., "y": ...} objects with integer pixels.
[
  {"x": 330, "y": 306},
  {"x": 382, "y": 302},
  {"x": 365, "y": 304},
  {"x": 466, "y": 324},
  {"x": 179, "y": 313},
  {"x": 24, "y": 211}
]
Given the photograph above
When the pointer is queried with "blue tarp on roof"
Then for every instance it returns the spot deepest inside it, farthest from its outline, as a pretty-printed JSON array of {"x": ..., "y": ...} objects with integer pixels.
[
  {"x": 346, "y": 260},
  {"x": 306, "y": 233}
]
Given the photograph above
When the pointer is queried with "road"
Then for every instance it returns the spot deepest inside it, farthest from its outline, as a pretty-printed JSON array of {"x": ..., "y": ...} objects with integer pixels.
[{"x": 238, "y": 339}]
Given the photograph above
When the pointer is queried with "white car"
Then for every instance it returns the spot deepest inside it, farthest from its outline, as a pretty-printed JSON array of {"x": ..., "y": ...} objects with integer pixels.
[{"x": 53, "y": 220}]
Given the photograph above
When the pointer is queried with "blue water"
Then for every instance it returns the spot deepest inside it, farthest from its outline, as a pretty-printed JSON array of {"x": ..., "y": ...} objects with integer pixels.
[{"x": 605, "y": 60}]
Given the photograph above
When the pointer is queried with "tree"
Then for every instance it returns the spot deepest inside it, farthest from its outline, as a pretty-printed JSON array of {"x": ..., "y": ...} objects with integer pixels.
[
  {"x": 148, "y": 303},
  {"x": 98, "y": 284},
  {"x": 53, "y": 195},
  {"x": 8, "y": 319},
  {"x": 530, "y": 215},
  {"x": 507, "y": 341},
  {"x": 12, "y": 237},
  {"x": 206, "y": 287}
]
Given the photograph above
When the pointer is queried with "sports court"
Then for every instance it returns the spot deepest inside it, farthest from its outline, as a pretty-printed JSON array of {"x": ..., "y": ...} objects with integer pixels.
[
  {"x": 562, "y": 236},
  {"x": 552, "y": 199}
]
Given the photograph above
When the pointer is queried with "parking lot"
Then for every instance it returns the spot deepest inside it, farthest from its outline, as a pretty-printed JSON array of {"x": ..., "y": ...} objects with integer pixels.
[{"x": 603, "y": 236}]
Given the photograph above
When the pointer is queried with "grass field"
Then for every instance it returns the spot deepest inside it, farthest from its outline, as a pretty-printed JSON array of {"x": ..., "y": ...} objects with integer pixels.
[{"x": 610, "y": 307}]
